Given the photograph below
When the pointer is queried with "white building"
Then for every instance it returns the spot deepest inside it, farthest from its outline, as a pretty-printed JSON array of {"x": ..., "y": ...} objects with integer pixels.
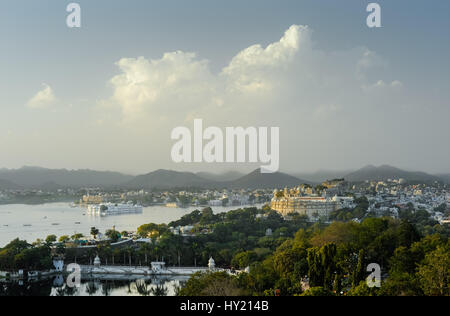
[{"x": 111, "y": 209}]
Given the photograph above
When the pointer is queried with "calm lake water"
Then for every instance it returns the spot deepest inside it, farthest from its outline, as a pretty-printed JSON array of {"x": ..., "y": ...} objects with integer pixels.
[
  {"x": 29, "y": 222},
  {"x": 103, "y": 286}
]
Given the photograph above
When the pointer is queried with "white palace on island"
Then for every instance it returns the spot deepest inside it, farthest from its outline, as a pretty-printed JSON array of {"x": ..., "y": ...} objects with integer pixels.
[
  {"x": 292, "y": 201},
  {"x": 112, "y": 209}
]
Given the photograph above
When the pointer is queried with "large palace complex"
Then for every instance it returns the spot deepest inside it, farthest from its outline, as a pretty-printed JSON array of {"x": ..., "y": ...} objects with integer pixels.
[{"x": 292, "y": 201}]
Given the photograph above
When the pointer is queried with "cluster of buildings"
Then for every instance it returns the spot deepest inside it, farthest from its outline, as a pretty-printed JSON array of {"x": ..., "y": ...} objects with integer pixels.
[
  {"x": 385, "y": 198},
  {"x": 315, "y": 207},
  {"x": 316, "y": 202},
  {"x": 388, "y": 197},
  {"x": 174, "y": 198}
]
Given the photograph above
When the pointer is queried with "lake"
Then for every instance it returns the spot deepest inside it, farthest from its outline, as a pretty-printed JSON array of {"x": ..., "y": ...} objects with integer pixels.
[
  {"x": 30, "y": 222},
  {"x": 104, "y": 286}
]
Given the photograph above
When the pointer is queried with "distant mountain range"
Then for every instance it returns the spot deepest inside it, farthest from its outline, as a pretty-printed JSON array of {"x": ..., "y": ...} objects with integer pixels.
[
  {"x": 373, "y": 173},
  {"x": 254, "y": 180},
  {"x": 169, "y": 179},
  {"x": 8, "y": 185},
  {"x": 445, "y": 177},
  {"x": 322, "y": 175},
  {"x": 258, "y": 180},
  {"x": 52, "y": 179},
  {"x": 36, "y": 177},
  {"x": 385, "y": 172}
]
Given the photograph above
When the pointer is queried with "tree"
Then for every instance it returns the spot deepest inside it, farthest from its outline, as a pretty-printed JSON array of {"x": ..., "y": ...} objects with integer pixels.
[
  {"x": 337, "y": 284},
  {"x": 76, "y": 237},
  {"x": 407, "y": 234},
  {"x": 401, "y": 284},
  {"x": 317, "y": 291},
  {"x": 328, "y": 254},
  {"x": 322, "y": 265},
  {"x": 211, "y": 284},
  {"x": 244, "y": 259},
  {"x": 402, "y": 261},
  {"x": 315, "y": 272},
  {"x": 94, "y": 232},
  {"x": 359, "y": 273},
  {"x": 50, "y": 239},
  {"x": 434, "y": 272},
  {"x": 113, "y": 235},
  {"x": 64, "y": 239},
  {"x": 154, "y": 230},
  {"x": 363, "y": 290}
]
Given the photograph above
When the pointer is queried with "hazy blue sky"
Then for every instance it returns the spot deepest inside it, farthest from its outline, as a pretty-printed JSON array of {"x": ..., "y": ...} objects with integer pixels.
[{"x": 342, "y": 94}]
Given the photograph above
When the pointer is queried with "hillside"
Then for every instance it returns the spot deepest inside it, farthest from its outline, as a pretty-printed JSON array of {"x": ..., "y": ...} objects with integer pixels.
[
  {"x": 173, "y": 179},
  {"x": 322, "y": 175},
  {"x": 163, "y": 179},
  {"x": 445, "y": 177},
  {"x": 258, "y": 180},
  {"x": 388, "y": 172},
  {"x": 33, "y": 177},
  {"x": 8, "y": 185}
]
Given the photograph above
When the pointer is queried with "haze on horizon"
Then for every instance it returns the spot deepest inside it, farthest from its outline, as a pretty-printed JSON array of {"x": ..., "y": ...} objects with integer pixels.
[{"x": 106, "y": 96}]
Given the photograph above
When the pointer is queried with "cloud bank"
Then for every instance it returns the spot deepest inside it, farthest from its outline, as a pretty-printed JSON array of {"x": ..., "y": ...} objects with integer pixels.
[
  {"x": 325, "y": 102},
  {"x": 288, "y": 74}
]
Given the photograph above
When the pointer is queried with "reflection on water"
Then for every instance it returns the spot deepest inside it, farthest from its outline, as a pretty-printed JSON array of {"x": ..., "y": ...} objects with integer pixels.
[{"x": 98, "y": 286}]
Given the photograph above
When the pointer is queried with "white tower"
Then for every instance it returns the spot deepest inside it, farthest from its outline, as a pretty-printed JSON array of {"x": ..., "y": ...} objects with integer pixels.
[
  {"x": 97, "y": 262},
  {"x": 211, "y": 264}
]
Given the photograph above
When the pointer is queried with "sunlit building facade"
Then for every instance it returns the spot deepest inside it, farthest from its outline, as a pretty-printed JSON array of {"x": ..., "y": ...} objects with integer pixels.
[{"x": 291, "y": 201}]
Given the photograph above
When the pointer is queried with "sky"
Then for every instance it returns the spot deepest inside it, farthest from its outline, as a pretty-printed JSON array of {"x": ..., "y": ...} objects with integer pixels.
[{"x": 106, "y": 96}]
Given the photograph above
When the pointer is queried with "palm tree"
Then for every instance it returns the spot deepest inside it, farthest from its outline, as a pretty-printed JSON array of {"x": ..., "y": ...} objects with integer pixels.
[
  {"x": 115, "y": 252},
  {"x": 146, "y": 249}
]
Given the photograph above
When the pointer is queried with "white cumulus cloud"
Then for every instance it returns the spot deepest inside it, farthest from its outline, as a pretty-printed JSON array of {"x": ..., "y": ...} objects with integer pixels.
[
  {"x": 251, "y": 69},
  {"x": 43, "y": 98},
  {"x": 169, "y": 83},
  {"x": 289, "y": 73}
]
